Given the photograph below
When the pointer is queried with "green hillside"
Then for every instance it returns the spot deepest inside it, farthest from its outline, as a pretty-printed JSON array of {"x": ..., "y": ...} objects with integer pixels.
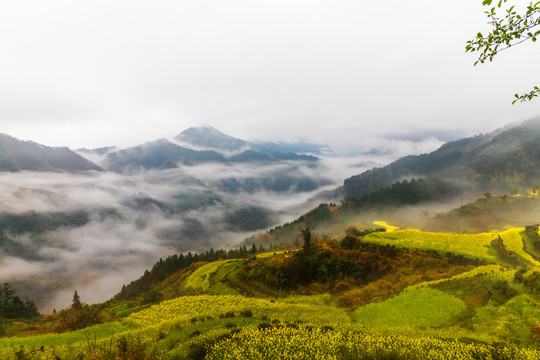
[
  {"x": 375, "y": 277},
  {"x": 363, "y": 294},
  {"x": 163, "y": 154},
  {"x": 498, "y": 160},
  {"x": 159, "y": 154},
  {"x": 488, "y": 213}
]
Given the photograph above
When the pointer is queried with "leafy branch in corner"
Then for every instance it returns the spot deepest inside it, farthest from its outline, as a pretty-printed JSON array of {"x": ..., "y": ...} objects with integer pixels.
[{"x": 512, "y": 29}]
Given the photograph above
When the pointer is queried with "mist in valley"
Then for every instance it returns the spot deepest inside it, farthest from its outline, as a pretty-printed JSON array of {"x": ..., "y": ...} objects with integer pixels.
[{"x": 118, "y": 225}]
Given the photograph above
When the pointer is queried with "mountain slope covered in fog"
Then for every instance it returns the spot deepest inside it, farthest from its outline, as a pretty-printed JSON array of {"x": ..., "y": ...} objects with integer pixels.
[
  {"x": 210, "y": 146},
  {"x": 210, "y": 138},
  {"x": 159, "y": 154},
  {"x": 98, "y": 229},
  {"x": 17, "y": 155},
  {"x": 336, "y": 271},
  {"x": 494, "y": 161}
]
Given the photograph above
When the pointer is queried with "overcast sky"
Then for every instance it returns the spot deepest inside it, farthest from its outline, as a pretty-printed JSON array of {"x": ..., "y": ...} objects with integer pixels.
[{"x": 97, "y": 73}]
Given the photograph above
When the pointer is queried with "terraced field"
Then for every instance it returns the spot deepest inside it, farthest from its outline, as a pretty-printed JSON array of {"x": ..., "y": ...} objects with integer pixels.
[
  {"x": 421, "y": 307},
  {"x": 200, "y": 278},
  {"x": 384, "y": 224},
  {"x": 472, "y": 245},
  {"x": 513, "y": 241},
  {"x": 237, "y": 327},
  {"x": 466, "y": 316}
]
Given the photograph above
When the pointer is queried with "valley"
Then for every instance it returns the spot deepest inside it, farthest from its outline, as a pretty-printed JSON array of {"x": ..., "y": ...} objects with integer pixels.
[
  {"x": 446, "y": 305},
  {"x": 269, "y": 180},
  {"x": 393, "y": 264},
  {"x": 96, "y": 230}
]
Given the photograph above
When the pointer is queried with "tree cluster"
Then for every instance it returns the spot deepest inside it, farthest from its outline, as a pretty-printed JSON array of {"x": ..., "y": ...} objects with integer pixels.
[
  {"x": 351, "y": 260},
  {"x": 78, "y": 316},
  {"x": 407, "y": 193},
  {"x": 13, "y": 307}
]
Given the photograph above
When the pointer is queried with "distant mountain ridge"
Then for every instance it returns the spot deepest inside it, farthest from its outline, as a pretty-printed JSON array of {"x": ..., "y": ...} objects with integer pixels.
[
  {"x": 17, "y": 155},
  {"x": 163, "y": 154},
  {"x": 210, "y": 138},
  {"x": 495, "y": 160},
  {"x": 210, "y": 145},
  {"x": 159, "y": 154}
]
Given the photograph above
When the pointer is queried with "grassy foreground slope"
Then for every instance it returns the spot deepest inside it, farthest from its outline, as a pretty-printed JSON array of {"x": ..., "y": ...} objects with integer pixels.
[
  {"x": 236, "y": 327},
  {"x": 404, "y": 294}
]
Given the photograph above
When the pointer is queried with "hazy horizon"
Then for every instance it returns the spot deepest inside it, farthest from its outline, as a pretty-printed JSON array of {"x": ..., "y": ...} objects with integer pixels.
[{"x": 346, "y": 74}]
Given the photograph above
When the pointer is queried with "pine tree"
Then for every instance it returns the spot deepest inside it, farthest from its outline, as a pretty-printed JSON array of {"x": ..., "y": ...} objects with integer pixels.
[
  {"x": 76, "y": 304},
  {"x": 307, "y": 238}
]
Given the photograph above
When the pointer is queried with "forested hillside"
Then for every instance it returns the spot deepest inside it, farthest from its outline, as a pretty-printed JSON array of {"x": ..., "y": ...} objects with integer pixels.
[
  {"x": 337, "y": 277},
  {"x": 362, "y": 291},
  {"x": 502, "y": 160}
]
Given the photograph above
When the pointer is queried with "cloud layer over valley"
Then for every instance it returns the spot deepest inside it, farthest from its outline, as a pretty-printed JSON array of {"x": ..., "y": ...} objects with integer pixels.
[{"x": 95, "y": 231}]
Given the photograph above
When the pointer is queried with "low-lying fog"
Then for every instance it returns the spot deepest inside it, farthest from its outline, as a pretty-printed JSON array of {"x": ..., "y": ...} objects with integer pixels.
[{"x": 133, "y": 220}]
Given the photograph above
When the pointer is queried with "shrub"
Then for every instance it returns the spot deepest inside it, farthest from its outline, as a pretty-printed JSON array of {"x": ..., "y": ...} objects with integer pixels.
[
  {"x": 246, "y": 313},
  {"x": 342, "y": 286},
  {"x": 152, "y": 297},
  {"x": 264, "y": 326},
  {"x": 197, "y": 351},
  {"x": 502, "y": 292},
  {"x": 351, "y": 299}
]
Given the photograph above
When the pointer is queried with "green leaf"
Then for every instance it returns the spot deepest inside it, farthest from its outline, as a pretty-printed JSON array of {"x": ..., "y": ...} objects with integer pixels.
[{"x": 486, "y": 2}]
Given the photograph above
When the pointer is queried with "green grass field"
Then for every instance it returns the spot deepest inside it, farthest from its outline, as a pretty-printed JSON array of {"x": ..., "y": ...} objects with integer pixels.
[
  {"x": 268, "y": 254},
  {"x": 298, "y": 326},
  {"x": 224, "y": 270},
  {"x": 423, "y": 307},
  {"x": 425, "y": 320},
  {"x": 471, "y": 245},
  {"x": 513, "y": 241},
  {"x": 384, "y": 224},
  {"x": 99, "y": 331},
  {"x": 493, "y": 270},
  {"x": 200, "y": 278}
]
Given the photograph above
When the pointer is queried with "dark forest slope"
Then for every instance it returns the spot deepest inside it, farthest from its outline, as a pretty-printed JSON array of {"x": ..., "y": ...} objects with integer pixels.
[{"x": 499, "y": 159}]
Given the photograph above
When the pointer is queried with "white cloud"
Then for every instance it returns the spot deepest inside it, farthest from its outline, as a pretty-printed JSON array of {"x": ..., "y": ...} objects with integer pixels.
[{"x": 124, "y": 72}]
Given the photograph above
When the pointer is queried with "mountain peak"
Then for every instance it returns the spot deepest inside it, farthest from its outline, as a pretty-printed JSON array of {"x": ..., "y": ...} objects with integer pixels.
[
  {"x": 211, "y": 138},
  {"x": 203, "y": 131}
]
